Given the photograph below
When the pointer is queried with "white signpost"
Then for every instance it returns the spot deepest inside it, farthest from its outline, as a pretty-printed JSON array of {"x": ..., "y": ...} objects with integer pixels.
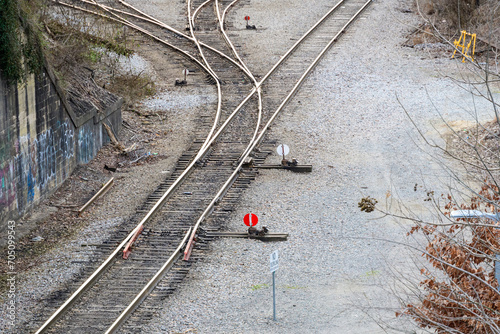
[
  {"x": 274, "y": 265},
  {"x": 274, "y": 261}
]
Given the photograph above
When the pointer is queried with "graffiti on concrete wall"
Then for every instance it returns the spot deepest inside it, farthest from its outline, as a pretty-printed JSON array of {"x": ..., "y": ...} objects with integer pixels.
[
  {"x": 7, "y": 187},
  {"x": 85, "y": 145},
  {"x": 31, "y": 186},
  {"x": 25, "y": 162},
  {"x": 41, "y": 142},
  {"x": 67, "y": 140},
  {"x": 36, "y": 165},
  {"x": 46, "y": 147}
]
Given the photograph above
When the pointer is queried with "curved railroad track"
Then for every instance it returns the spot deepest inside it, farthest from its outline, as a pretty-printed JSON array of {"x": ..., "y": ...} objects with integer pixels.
[{"x": 208, "y": 178}]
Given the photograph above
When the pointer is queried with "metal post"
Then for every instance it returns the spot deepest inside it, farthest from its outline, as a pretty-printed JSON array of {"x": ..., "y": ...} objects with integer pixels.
[{"x": 274, "y": 299}]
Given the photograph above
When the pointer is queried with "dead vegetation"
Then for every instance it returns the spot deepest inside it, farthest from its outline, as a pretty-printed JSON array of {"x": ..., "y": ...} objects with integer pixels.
[
  {"x": 82, "y": 51},
  {"x": 452, "y": 16},
  {"x": 88, "y": 48},
  {"x": 132, "y": 87},
  {"x": 445, "y": 19},
  {"x": 477, "y": 147}
]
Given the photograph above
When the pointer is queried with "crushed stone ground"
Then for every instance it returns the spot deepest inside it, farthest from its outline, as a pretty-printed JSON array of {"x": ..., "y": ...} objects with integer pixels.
[{"x": 336, "y": 275}]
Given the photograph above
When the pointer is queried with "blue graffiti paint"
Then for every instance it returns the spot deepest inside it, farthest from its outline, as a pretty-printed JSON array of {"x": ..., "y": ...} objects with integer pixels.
[
  {"x": 31, "y": 186},
  {"x": 46, "y": 158},
  {"x": 67, "y": 143},
  {"x": 86, "y": 147},
  {"x": 8, "y": 191},
  {"x": 2, "y": 189}
]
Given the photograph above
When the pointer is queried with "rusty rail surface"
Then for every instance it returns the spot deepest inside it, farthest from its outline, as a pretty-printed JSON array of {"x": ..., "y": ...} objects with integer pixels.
[{"x": 211, "y": 139}]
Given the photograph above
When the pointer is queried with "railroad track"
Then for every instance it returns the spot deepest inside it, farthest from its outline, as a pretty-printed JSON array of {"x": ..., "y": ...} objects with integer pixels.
[{"x": 194, "y": 193}]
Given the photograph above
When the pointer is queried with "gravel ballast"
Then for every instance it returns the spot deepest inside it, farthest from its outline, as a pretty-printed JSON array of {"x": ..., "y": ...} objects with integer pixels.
[
  {"x": 161, "y": 134},
  {"x": 335, "y": 273}
]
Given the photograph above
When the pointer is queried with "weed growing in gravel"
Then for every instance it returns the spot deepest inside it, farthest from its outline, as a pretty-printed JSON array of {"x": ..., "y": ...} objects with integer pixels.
[
  {"x": 372, "y": 273},
  {"x": 292, "y": 287},
  {"x": 259, "y": 286}
]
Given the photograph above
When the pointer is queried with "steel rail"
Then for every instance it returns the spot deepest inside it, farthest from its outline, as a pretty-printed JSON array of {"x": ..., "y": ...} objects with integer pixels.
[
  {"x": 207, "y": 67},
  {"x": 227, "y": 8},
  {"x": 178, "y": 181},
  {"x": 314, "y": 27},
  {"x": 128, "y": 23},
  {"x": 153, "y": 20},
  {"x": 257, "y": 124},
  {"x": 198, "y": 10},
  {"x": 228, "y": 41},
  {"x": 309, "y": 69},
  {"x": 233, "y": 176},
  {"x": 226, "y": 38},
  {"x": 245, "y": 68},
  {"x": 241, "y": 63},
  {"x": 97, "y": 273},
  {"x": 149, "y": 286},
  {"x": 196, "y": 41},
  {"x": 219, "y": 91},
  {"x": 228, "y": 120},
  {"x": 133, "y": 26},
  {"x": 104, "y": 189},
  {"x": 123, "y": 21},
  {"x": 289, "y": 52}
]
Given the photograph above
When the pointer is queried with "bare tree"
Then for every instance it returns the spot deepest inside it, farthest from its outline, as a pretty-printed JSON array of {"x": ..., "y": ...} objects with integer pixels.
[{"x": 457, "y": 291}]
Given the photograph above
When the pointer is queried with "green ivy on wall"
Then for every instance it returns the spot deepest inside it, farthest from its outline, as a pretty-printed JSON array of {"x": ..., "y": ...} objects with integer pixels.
[{"x": 20, "y": 41}]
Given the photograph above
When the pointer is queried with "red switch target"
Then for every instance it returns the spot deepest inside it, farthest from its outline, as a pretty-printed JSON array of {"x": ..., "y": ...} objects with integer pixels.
[
  {"x": 247, "y": 18},
  {"x": 250, "y": 219}
]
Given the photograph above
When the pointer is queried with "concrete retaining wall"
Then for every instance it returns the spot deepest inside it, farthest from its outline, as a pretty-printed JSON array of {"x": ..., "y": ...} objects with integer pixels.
[{"x": 42, "y": 141}]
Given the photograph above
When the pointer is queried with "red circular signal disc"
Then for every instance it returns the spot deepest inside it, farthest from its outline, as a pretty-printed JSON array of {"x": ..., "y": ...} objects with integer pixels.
[
  {"x": 253, "y": 221},
  {"x": 247, "y": 18}
]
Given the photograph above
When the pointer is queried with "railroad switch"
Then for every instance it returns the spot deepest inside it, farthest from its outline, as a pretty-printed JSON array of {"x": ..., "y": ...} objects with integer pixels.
[
  {"x": 286, "y": 163},
  {"x": 252, "y": 230},
  {"x": 252, "y": 233},
  {"x": 249, "y": 27},
  {"x": 179, "y": 82},
  {"x": 292, "y": 165}
]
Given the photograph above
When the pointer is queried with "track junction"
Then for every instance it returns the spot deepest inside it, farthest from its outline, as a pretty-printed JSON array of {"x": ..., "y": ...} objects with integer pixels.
[{"x": 197, "y": 196}]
